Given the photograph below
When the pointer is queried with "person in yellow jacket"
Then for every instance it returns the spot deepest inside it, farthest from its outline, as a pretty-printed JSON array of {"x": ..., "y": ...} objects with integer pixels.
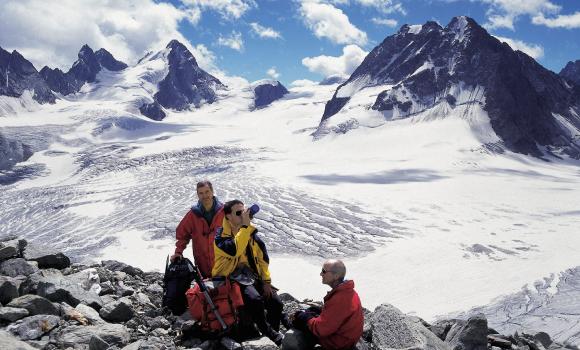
[{"x": 241, "y": 255}]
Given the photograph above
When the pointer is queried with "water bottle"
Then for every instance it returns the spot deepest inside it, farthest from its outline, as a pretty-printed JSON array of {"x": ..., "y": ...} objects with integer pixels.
[{"x": 253, "y": 210}]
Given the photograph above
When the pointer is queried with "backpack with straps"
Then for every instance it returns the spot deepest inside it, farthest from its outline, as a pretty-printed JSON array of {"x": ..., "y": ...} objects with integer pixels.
[{"x": 177, "y": 280}]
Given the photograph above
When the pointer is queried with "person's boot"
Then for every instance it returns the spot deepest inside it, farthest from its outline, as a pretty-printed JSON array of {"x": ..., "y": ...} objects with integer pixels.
[{"x": 276, "y": 337}]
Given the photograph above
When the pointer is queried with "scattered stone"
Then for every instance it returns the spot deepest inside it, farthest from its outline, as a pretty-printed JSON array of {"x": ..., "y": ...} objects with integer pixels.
[
  {"x": 96, "y": 343},
  {"x": 8, "y": 341},
  {"x": 11, "y": 248},
  {"x": 393, "y": 329},
  {"x": 12, "y": 314},
  {"x": 499, "y": 342},
  {"x": 155, "y": 289},
  {"x": 17, "y": 267},
  {"x": 123, "y": 290},
  {"x": 117, "y": 311},
  {"x": 230, "y": 344},
  {"x": 8, "y": 289},
  {"x": 36, "y": 305},
  {"x": 119, "y": 266},
  {"x": 69, "y": 289},
  {"x": 34, "y": 327},
  {"x": 72, "y": 336},
  {"x": 56, "y": 261},
  {"x": 259, "y": 344},
  {"x": 159, "y": 322},
  {"x": 469, "y": 335}
]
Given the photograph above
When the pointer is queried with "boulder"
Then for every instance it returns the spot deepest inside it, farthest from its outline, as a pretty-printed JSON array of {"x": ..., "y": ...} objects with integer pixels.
[
  {"x": 11, "y": 248},
  {"x": 470, "y": 335},
  {"x": 8, "y": 289},
  {"x": 391, "y": 329},
  {"x": 97, "y": 343},
  {"x": 8, "y": 341},
  {"x": 118, "y": 311},
  {"x": 17, "y": 267},
  {"x": 73, "y": 336},
  {"x": 259, "y": 344},
  {"x": 114, "y": 265},
  {"x": 56, "y": 261},
  {"x": 34, "y": 327},
  {"x": 36, "y": 305},
  {"x": 72, "y": 289},
  {"x": 12, "y": 314}
]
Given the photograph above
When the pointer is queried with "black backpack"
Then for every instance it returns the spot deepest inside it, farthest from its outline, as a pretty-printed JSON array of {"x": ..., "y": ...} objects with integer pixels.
[{"x": 177, "y": 280}]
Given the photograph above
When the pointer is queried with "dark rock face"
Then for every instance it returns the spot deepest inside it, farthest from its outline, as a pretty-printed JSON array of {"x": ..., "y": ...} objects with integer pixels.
[
  {"x": 152, "y": 111},
  {"x": 17, "y": 75},
  {"x": 264, "y": 94},
  {"x": 425, "y": 65},
  {"x": 84, "y": 70},
  {"x": 572, "y": 72},
  {"x": 106, "y": 60},
  {"x": 186, "y": 83}
]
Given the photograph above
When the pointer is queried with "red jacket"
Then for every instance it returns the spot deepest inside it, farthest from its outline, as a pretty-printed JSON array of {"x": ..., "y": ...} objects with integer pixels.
[
  {"x": 194, "y": 227},
  {"x": 340, "y": 325}
]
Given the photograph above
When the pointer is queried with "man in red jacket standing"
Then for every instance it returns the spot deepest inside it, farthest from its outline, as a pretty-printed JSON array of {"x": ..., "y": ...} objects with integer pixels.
[
  {"x": 199, "y": 225},
  {"x": 339, "y": 325}
]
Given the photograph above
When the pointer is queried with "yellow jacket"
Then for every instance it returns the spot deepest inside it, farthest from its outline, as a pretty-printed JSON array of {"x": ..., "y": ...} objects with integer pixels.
[{"x": 241, "y": 248}]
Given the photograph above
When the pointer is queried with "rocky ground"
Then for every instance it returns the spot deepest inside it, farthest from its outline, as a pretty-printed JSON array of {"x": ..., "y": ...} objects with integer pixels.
[{"x": 47, "y": 303}]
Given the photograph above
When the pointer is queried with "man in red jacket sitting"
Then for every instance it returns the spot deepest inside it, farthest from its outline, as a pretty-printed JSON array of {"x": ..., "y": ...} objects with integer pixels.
[
  {"x": 340, "y": 323},
  {"x": 199, "y": 225}
]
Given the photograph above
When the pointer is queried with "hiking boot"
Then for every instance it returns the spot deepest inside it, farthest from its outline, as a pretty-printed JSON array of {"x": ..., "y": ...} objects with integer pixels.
[{"x": 274, "y": 336}]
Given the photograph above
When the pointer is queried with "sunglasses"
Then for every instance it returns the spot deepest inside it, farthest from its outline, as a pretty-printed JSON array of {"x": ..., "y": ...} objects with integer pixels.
[
  {"x": 325, "y": 271},
  {"x": 239, "y": 212}
]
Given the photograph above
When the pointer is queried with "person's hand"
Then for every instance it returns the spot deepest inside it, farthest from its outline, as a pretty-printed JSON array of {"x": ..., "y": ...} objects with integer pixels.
[
  {"x": 175, "y": 256},
  {"x": 246, "y": 217},
  {"x": 267, "y": 290}
]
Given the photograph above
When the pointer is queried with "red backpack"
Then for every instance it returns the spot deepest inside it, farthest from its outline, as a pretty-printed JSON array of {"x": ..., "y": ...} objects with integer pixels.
[{"x": 227, "y": 298}]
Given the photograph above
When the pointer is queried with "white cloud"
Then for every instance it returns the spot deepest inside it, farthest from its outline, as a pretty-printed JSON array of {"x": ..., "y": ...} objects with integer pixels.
[
  {"x": 234, "y": 41},
  {"x": 503, "y": 13},
  {"x": 51, "y": 33},
  {"x": 303, "y": 82},
  {"x": 351, "y": 58},
  {"x": 561, "y": 21},
  {"x": 533, "y": 50},
  {"x": 385, "y": 6},
  {"x": 228, "y": 9},
  {"x": 272, "y": 73},
  {"x": 326, "y": 21},
  {"x": 265, "y": 32},
  {"x": 385, "y": 22}
]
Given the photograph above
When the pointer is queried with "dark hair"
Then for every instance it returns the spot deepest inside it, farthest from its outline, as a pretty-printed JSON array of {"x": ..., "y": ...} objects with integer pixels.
[
  {"x": 203, "y": 184},
  {"x": 228, "y": 206}
]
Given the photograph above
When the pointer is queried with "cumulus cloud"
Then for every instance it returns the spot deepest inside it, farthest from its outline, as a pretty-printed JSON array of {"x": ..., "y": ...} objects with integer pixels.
[
  {"x": 327, "y": 21},
  {"x": 385, "y": 6},
  {"x": 265, "y": 32},
  {"x": 273, "y": 73},
  {"x": 561, "y": 21},
  {"x": 234, "y": 41},
  {"x": 503, "y": 13},
  {"x": 228, "y": 9},
  {"x": 385, "y": 22},
  {"x": 344, "y": 65},
  {"x": 38, "y": 29},
  {"x": 303, "y": 82},
  {"x": 533, "y": 50}
]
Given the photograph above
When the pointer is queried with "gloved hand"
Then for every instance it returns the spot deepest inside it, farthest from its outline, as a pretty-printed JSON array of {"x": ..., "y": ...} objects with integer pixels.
[{"x": 301, "y": 320}]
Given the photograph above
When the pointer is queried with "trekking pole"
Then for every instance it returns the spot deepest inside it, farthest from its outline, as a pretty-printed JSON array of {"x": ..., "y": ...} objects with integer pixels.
[{"x": 203, "y": 288}]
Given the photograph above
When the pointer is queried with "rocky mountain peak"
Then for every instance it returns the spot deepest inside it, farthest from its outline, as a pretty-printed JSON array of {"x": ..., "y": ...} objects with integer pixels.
[
  {"x": 572, "y": 72},
  {"x": 106, "y": 60},
  {"x": 179, "y": 54},
  {"x": 87, "y": 66}
]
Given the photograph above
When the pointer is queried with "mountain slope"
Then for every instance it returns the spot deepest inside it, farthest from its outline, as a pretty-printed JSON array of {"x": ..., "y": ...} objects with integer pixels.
[{"x": 423, "y": 67}]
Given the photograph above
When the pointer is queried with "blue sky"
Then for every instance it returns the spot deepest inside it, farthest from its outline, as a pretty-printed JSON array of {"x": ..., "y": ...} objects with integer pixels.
[{"x": 287, "y": 40}]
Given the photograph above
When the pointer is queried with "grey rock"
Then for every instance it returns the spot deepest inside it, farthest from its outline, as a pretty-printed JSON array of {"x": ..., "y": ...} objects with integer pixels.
[
  {"x": 96, "y": 343},
  {"x": 17, "y": 267},
  {"x": 12, "y": 314},
  {"x": 34, "y": 327},
  {"x": 295, "y": 339},
  {"x": 543, "y": 338},
  {"x": 154, "y": 289},
  {"x": 152, "y": 110},
  {"x": 230, "y": 344},
  {"x": 123, "y": 290},
  {"x": 392, "y": 329},
  {"x": 11, "y": 152},
  {"x": 72, "y": 336},
  {"x": 72, "y": 289},
  {"x": 107, "y": 288},
  {"x": 114, "y": 265},
  {"x": 470, "y": 335},
  {"x": 118, "y": 311},
  {"x": 36, "y": 305},
  {"x": 8, "y": 341},
  {"x": 8, "y": 289},
  {"x": 159, "y": 322},
  {"x": 259, "y": 344},
  {"x": 11, "y": 248},
  {"x": 500, "y": 342},
  {"x": 89, "y": 313},
  {"x": 29, "y": 285}
]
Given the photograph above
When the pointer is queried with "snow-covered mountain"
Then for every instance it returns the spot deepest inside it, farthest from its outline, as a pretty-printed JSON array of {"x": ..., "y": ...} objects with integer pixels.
[
  {"x": 18, "y": 76},
  {"x": 434, "y": 72}
]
